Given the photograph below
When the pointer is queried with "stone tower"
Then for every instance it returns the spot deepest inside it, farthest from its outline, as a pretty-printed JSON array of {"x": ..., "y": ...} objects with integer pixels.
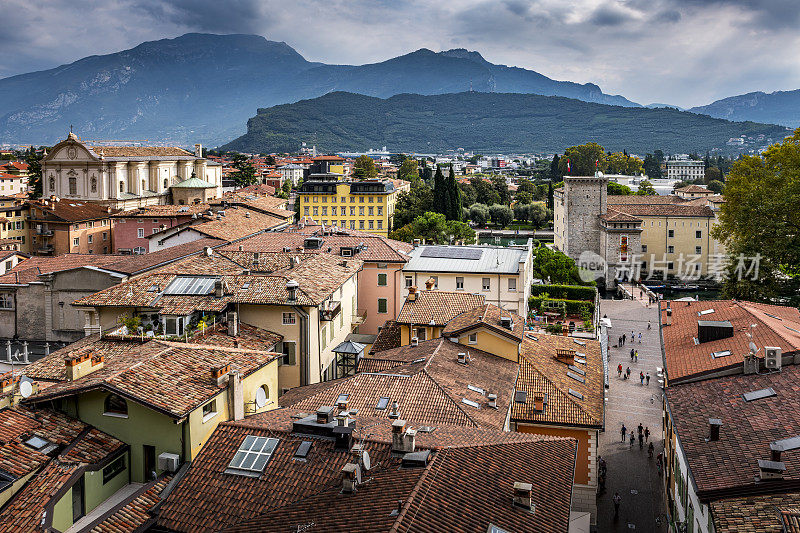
[{"x": 584, "y": 200}]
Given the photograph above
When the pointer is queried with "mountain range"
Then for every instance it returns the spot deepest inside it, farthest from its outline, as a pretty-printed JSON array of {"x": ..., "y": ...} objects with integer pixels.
[
  {"x": 488, "y": 122},
  {"x": 779, "y": 107},
  {"x": 203, "y": 87}
]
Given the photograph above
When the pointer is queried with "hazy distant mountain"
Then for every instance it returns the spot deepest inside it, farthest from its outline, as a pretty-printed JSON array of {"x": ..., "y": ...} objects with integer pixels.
[
  {"x": 488, "y": 122},
  {"x": 780, "y": 107},
  {"x": 202, "y": 88},
  {"x": 658, "y": 106}
]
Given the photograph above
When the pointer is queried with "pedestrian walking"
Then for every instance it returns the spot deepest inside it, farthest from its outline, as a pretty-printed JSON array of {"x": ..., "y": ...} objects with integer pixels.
[
  {"x": 617, "y": 500},
  {"x": 627, "y": 372},
  {"x": 641, "y": 377},
  {"x": 631, "y": 355},
  {"x": 640, "y": 429},
  {"x": 640, "y": 338},
  {"x": 646, "y": 434},
  {"x": 623, "y": 339},
  {"x": 650, "y": 450},
  {"x": 647, "y": 378},
  {"x": 636, "y": 355},
  {"x": 641, "y": 441},
  {"x": 632, "y": 440},
  {"x": 619, "y": 371},
  {"x": 623, "y": 431},
  {"x": 649, "y": 325}
]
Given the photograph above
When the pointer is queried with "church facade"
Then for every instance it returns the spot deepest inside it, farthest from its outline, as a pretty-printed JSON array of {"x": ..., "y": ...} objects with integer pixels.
[{"x": 125, "y": 177}]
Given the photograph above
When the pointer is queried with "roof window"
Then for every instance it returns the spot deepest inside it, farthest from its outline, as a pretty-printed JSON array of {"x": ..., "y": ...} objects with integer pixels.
[
  {"x": 252, "y": 456},
  {"x": 520, "y": 396},
  {"x": 759, "y": 394},
  {"x": 383, "y": 403},
  {"x": 576, "y": 394}
]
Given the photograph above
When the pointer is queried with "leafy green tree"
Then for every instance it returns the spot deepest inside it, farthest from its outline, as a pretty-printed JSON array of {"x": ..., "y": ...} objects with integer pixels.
[
  {"x": 502, "y": 215},
  {"x": 618, "y": 189},
  {"x": 500, "y": 186},
  {"x": 484, "y": 192},
  {"x": 409, "y": 170},
  {"x": 652, "y": 168},
  {"x": 479, "y": 214},
  {"x": 553, "y": 267},
  {"x": 34, "y": 160},
  {"x": 713, "y": 174},
  {"x": 538, "y": 214},
  {"x": 286, "y": 189},
  {"x": 245, "y": 172},
  {"x": 525, "y": 185},
  {"x": 434, "y": 228},
  {"x": 412, "y": 204},
  {"x": 584, "y": 160},
  {"x": 522, "y": 198},
  {"x": 364, "y": 168},
  {"x": 453, "y": 207},
  {"x": 646, "y": 189},
  {"x": 460, "y": 232},
  {"x": 621, "y": 163},
  {"x": 467, "y": 193},
  {"x": 441, "y": 195},
  {"x": 716, "y": 186},
  {"x": 521, "y": 212},
  {"x": 760, "y": 217}
]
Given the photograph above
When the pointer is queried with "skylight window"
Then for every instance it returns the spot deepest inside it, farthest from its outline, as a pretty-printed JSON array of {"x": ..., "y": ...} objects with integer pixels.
[
  {"x": 303, "y": 449},
  {"x": 37, "y": 443},
  {"x": 383, "y": 403},
  {"x": 5, "y": 480},
  {"x": 722, "y": 353},
  {"x": 470, "y": 403},
  {"x": 579, "y": 343},
  {"x": 342, "y": 398},
  {"x": 252, "y": 456},
  {"x": 577, "y": 370},
  {"x": 575, "y": 393},
  {"x": 473, "y": 388},
  {"x": 189, "y": 285},
  {"x": 520, "y": 396},
  {"x": 245, "y": 285},
  {"x": 576, "y": 377},
  {"x": 759, "y": 394},
  {"x": 705, "y": 312}
]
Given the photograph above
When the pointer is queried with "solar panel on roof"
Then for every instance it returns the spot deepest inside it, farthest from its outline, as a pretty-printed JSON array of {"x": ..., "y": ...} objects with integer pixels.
[
  {"x": 191, "y": 285},
  {"x": 252, "y": 456},
  {"x": 758, "y": 394},
  {"x": 452, "y": 253}
]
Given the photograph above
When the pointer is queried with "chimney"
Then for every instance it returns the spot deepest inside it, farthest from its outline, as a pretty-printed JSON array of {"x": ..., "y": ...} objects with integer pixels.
[
  {"x": 218, "y": 373},
  {"x": 462, "y": 358},
  {"x": 395, "y": 412},
  {"x": 342, "y": 405},
  {"x": 233, "y": 324},
  {"x": 668, "y": 319},
  {"x": 538, "y": 401},
  {"x": 218, "y": 290},
  {"x": 235, "y": 395},
  {"x": 429, "y": 284},
  {"x": 291, "y": 287},
  {"x": 403, "y": 437},
  {"x": 198, "y": 150},
  {"x": 493, "y": 400},
  {"x": 80, "y": 365},
  {"x": 775, "y": 450},
  {"x": 566, "y": 355},
  {"x": 523, "y": 496},
  {"x": 412, "y": 294},
  {"x": 416, "y": 242},
  {"x": 325, "y": 414},
  {"x": 713, "y": 428},
  {"x": 771, "y": 469},
  {"x": 414, "y": 341},
  {"x": 350, "y": 475},
  {"x": 7, "y": 381}
]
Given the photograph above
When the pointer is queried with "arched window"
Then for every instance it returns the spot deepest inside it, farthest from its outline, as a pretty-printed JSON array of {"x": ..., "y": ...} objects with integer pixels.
[
  {"x": 116, "y": 405},
  {"x": 52, "y": 183},
  {"x": 265, "y": 388},
  {"x": 73, "y": 185}
]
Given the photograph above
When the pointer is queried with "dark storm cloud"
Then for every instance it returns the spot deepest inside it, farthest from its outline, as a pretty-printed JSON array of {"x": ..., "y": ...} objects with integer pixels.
[{"x": 685, "y": 52}]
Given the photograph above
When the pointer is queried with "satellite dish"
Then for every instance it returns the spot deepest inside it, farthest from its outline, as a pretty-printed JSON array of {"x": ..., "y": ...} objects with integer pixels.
[
  {"x": 753, "y": 348},
  {"x": 25, "y": 388},
  {"x": 261, "y": 398},
  {"x": 365, "y": 459}
]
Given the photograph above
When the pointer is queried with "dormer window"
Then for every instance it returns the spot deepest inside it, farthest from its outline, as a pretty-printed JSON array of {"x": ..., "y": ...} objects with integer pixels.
[{"x": 115, "y": 405}]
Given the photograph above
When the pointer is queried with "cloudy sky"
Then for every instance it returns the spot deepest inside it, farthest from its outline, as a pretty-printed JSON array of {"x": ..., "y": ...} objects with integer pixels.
[{"x": 682, "y": 52}]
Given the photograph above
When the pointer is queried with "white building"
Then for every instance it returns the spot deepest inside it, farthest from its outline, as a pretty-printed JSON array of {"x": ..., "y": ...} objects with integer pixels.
[
  {"x": 123, "y": 177},
  {"x": 685, "y": 169},
  {"x": 501, "y": 274},
  {"x": 291, "y": 172}
]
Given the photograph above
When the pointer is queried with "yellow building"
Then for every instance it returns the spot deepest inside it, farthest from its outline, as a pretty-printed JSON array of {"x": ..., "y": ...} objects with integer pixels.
[
  {"x": 14, "y": 215},
  {"x": 358, "y": 205}
]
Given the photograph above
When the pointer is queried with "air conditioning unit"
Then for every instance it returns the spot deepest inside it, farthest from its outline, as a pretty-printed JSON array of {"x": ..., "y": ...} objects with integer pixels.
[
  {"x": 772, "y": 357},
  {"x": 414, "y": 341},
  {"x": 169, "y": 462}
]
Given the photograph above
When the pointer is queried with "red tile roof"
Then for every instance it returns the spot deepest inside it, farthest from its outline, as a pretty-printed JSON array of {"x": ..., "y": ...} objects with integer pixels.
[
  {"x": 774, "y": 326},
  {"x": 437, "y": 306},
  {"x": 133, "y": 514},
  {"x": 773, "y": 513},
  {"x": 70, "y": 210},
  {"x": 388, "y": 337},
  {"x": 728, "y": 467},
  {"x": 486, "y": 316},
  {"x": 695, "y": 189}
]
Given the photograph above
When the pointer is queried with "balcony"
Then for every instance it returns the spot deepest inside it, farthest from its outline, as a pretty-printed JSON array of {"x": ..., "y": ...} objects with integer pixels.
[
  {"x": 44, "y": 232},
  {"x": 359, "y": 317},
  {"x": 329, "y": 310},
  {"x": 46, "y": 249}
]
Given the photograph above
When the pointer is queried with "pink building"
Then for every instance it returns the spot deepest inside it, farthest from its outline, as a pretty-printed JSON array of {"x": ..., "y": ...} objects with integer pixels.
[{"x": 131, "y": 228}]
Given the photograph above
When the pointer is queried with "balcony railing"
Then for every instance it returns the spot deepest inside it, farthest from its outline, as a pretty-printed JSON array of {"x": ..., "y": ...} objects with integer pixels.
[
  {"x": 47, "y": 249},
  {"x": 44, "y": 232},
  {"x": 359, "y": 317},
  {"x": 329, "y": 310}
]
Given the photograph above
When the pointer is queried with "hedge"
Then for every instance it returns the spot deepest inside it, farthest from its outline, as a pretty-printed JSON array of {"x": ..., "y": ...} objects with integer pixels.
[
  {"x": 573, "y": 307},
  {"x": 565, "y": 292}
]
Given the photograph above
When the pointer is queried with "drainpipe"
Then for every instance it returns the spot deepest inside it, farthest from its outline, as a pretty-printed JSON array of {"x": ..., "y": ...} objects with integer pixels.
[
  {"x": 304, "y": 335},
  {"x": 498, "y": 290}
]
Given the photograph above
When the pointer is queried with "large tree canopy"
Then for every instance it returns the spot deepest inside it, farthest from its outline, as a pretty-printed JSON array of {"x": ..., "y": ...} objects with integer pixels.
[
  {"x": 364, "y": 168},
  {"x": 760, "y": 216},
  {"x": 583, "y": 160}
]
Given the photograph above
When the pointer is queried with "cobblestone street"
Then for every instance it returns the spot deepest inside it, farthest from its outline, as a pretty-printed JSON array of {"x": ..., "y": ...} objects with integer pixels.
[{"x": 630, "y": 471}]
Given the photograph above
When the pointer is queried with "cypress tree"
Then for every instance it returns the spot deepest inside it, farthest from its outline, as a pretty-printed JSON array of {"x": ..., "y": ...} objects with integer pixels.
[
  {"x": 439, "y": 192},
  {"x": 454, "y": 200}
]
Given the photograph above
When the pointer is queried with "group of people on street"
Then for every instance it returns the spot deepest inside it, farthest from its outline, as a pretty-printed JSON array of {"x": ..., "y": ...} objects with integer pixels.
[{"x": 644, "y": 437}]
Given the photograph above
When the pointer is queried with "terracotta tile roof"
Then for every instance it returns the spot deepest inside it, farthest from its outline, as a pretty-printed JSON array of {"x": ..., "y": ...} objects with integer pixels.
[
  {"x": 728, "y": 467},
  {"x": 633, "y": 199},
  {"x": 170, "y": 377},
  {"x": 249, "y": 338},
  {"x": 134, "y": 512},
  {"x": 81, "y": 446},
  {"x": 437, "y": 306},
  {"x": 694, "y": 189},
  {"x": 138, "y": 263},
  {"x": 256, "y": 188},
  {"x": 540, "y": 371},
  {"x": 29, "y": 270},
  {"x": 618, "y": 216},
  {"x": 160, "y": 211},
  {"x": 468, "y": 483},
  {"x": 665, "y": 210},
  {"x": 773, "y": 513},
  {"x": 237, "y": 223},
  {"x": 267, "y": 204},
  {"x": 377, "y": 248},
  {"x": 18, "y": 165},
  {"x": 388, "y": 337},
  {"x": 328, "y": 158},
  {"x": 774, "y": 326},
  {"x": 488, "y": 316},
  {"x": 71, "y": 210},
  {"x": 141, "y": 151},
  {"x": 426, "y": 381}
]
